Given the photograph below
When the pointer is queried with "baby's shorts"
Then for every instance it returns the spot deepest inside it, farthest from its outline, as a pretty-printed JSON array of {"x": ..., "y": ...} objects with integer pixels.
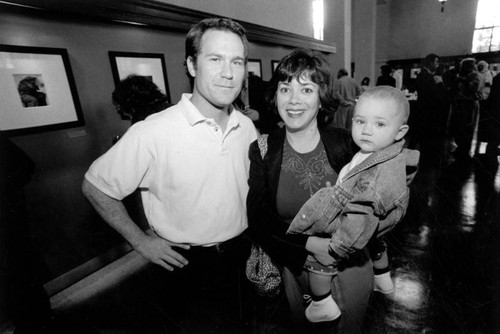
[{"x": 312, "y": 265}]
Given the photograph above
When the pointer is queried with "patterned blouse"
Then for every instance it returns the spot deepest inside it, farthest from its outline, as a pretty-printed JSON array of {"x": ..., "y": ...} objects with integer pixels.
[{"x": 302, "y": 174}]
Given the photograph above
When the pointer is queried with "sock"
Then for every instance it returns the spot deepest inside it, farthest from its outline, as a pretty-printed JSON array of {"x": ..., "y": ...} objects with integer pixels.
[
  {"x": 320, "y": 298},
  {"x": 381, "y": 271}
]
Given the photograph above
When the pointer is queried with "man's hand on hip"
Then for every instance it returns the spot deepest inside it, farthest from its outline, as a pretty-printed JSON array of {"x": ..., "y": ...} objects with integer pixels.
[{"x": 160, "y": 251}]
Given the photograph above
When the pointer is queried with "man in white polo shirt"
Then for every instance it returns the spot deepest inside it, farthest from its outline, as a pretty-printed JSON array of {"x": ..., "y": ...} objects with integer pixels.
[{"x": 191, "y": 163}]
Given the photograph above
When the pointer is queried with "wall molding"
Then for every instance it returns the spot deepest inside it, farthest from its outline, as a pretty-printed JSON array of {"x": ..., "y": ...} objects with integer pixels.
[{"x": 160, "y": 15}]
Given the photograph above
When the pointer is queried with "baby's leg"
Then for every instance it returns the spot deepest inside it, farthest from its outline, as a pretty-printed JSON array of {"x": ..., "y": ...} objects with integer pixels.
[
  {"x": 322, "y": 307},
  {"x": 381, "y": 262},
  {"x": 320, "y": 285},
  {"x": 382, "y": 279}
]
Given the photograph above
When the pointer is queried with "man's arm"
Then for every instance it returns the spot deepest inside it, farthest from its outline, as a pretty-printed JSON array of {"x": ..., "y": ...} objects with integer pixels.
[{"x": 152, "y": 247}]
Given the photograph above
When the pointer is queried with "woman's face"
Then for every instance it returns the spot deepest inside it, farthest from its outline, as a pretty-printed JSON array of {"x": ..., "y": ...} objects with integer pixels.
[{"x": 298, "y": 103}]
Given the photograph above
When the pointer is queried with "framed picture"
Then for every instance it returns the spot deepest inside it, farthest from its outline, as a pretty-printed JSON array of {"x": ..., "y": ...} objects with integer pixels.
[
  {"x": 254, "y": 66},
  {"x": 414, "y": 72},
  {"x": 274, "y": 64},
  {"x": 150, "y": 65},
  {"x": 38, "y": 90}
]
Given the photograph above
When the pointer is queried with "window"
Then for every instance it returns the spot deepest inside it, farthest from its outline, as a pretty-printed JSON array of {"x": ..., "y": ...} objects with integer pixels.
[
  {"x": 487, "y": 32},
  {"x": 318, "y": 18}
]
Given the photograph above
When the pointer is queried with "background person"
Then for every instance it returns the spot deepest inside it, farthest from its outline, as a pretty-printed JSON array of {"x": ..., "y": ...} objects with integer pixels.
[
  {"x": 192, "y": 162},
  {"x": 385, "y": 79},
  {"x": 136, "y": 97},
  {"x": 301, "y": 158},
  {"x": 346, "y": 90}
]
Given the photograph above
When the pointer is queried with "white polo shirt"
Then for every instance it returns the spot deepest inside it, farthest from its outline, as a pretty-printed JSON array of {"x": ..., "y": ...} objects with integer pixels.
[{"x": 193, "y": 177}]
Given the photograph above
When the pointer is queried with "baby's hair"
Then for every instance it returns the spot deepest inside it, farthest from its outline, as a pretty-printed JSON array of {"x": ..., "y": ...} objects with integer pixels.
[{"x": 388, "y": 92}]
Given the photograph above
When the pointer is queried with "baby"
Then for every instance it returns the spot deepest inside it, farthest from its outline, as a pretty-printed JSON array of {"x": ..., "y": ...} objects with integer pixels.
[{"x": 369, "y": 199}]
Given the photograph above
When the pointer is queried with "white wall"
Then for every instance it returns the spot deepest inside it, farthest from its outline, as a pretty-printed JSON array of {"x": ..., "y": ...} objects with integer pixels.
[
  {"x": 363, "y": 44},
  {"x": 417, "y": 28},
  {"x": 294, "y": 16}
]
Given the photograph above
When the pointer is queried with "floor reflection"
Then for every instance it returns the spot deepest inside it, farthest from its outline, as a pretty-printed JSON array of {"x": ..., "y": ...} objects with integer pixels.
[
  {"x": 444, "y": 258},
  {"x": 445, "y": 255}
]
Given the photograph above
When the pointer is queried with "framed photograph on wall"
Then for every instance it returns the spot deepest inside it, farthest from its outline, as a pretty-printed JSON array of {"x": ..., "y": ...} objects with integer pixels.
[
  {"x": 254, "y": 66},
  {"x": 150, "y": 65},
  {"x": 38, "y": 90},
  {"x": 274, "y": 64},
  {"x": 414, "y": 72}
]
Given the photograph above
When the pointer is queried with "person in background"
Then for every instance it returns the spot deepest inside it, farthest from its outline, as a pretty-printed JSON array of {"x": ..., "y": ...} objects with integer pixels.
[
  {"x": 242, "y": 102},
  {"x": 443, "y": 99},
  {"x": 355, "y": 216},
  {"x": 385, "y": 79},
  {"x": 465, "y": 108},
  {"x": 346, "y": 90},
  {"x": 429, "y": 89},
  {"x": 397, "y": 76},
  {"x": 494, "y": 70},
  {"x": 191, "y": 160},
  {"x": 302, "y": 157},
  {"x": 137, "y": 97},
  {"x": 486, "y": 77},
  {"x": 365, "y": 84}
]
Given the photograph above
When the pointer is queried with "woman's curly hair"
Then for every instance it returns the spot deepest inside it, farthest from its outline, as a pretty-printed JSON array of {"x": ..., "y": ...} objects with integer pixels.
[
  {"x": 299, "y": 64},
  {"x": 137, "y": 97}
]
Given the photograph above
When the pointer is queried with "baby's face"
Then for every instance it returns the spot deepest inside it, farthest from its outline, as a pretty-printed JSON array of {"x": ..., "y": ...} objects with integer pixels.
[{"x": 377, "y": 123}]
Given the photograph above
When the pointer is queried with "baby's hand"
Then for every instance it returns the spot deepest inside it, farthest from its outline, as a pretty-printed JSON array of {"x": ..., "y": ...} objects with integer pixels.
[{"x": 328, "y": 184}]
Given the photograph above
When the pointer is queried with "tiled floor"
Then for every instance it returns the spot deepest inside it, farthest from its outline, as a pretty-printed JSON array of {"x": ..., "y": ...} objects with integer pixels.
[{"x": 445, "y": 260}]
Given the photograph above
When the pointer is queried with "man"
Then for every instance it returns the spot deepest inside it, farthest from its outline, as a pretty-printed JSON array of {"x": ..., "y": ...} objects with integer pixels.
[
  {"x": 397, "y": 77},
  {"x": 386, "y": 78},
  {"x": 431, "y": 94},
  {"x": 191, "y": 163},
  {"x": 346, "y": 90}
]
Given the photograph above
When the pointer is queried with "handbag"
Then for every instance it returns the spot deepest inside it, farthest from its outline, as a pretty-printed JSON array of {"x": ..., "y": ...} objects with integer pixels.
[
  {"x": 263, "y": 273},
  {"x": 260, "y": 269}
]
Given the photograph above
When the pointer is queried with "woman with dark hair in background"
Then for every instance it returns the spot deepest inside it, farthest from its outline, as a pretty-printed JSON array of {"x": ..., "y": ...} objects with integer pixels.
[
  {"x": 301, "y": 158},
  {"x": 137, "y": 97}
]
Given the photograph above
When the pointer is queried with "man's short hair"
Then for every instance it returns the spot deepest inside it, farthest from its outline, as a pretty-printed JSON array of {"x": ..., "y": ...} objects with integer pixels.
[
  {"x": 390, "y": 93},
  {"x": 194, "y": 36}
]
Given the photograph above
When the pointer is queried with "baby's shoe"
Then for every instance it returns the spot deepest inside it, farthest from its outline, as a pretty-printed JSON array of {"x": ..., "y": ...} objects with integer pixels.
[
  {"x": 383, "y": 283},
  {"x": 323, "y": 310}
]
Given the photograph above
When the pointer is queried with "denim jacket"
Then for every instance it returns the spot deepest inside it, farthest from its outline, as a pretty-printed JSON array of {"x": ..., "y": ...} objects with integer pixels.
[{"x": 371, "y": 200}]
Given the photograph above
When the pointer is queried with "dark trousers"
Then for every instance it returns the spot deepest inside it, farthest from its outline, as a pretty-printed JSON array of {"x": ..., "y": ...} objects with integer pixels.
[{"x": 207, "y": 295}]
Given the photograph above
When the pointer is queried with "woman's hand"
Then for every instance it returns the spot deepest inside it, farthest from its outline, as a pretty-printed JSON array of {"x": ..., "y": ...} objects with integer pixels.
[{"x": 319, "y": 248}]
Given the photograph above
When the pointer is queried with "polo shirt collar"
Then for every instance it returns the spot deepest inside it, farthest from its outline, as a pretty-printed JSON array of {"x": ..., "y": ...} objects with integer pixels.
[{"x": 193, "y": 115}]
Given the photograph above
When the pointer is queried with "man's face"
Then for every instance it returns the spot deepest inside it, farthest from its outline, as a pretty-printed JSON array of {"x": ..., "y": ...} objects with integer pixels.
[
  {"x": 219, "y": 69},
  {"x": 434, "y": 65}
]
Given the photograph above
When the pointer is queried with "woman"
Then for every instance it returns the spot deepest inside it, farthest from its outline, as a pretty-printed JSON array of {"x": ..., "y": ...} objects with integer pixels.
[
  {"x": 301, "y": 158},
  {"x": 136, "y": 97}
]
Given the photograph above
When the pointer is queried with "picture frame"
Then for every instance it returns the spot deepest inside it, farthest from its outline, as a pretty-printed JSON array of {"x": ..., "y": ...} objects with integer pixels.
[
  {"x": 414, "y": 72},
  {"x": 274, "y": 64},
  {"x": 254, "y": 66},
  {"x": 38, "y": 90},
  {"x": 151, "y": 65}
]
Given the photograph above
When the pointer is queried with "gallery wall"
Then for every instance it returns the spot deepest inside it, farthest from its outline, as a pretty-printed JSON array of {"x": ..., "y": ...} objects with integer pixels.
[
  {"x": 65, "y": 228},
  {"x": 294, "y": 16}
]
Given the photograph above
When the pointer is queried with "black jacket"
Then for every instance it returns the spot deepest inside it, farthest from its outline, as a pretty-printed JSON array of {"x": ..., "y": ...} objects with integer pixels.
[{"x": 266, "y": 227}]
